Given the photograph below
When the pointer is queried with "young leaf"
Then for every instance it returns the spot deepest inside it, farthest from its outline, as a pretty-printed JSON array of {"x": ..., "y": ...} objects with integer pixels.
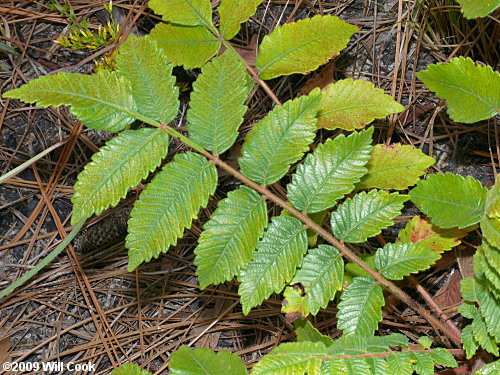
[
  {"x": 168, "y": 205},
  {"x": 395, "y": 167},
  {"x": 352, "y": 104},
  {"x": 230, "y": 236},
  {"x": 330, "y": 172},
  {"x": 471, "y": 90},
  {"x": 129, "y": 369},
  {"x": 321, "y": 275},
  {"x": 450, "y": 200},
  {"x": 399, "y": 363},
  {"x": 121, "y": 164},
  {"x": 296, "y": 303},
  {"x": 397, "y": 260},
  {"x": 305, "y": 331},
  {"x": 150, "y": 75},
  {"x": 280, "y": 139},
  {"x": 478, "y": 8},
  {"x": 295, "y": 358},
  {"x": 101, "y": 101},
  {"x": 365, "y": 215},
  {"x": 302, "y": 46},
  {"x": 216, "y": 108},
  {"x": 360, "y": 307},
  {"x": 184, "y": 12},
  {"x": 234, "y": 12},
  {"x": 420, "y": 231},
  {"x": 204, "y": 361},
  {"x": 190, "y": 47},
  {"x": 279, "y": 253}
]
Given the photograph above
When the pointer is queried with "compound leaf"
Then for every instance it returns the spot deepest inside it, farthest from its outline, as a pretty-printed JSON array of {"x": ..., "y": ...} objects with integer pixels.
[
  {"x": 471, "y": 90},
  {"x": 397, "y": 260},
  {"x": 479, "y": 328},
  {"x": 352, "y": 104},
  {"x": 234, "y": 12},
  {"x": 184, "y": 12},
  {"x": 395, "y": 167},
  {"x": 204, "y": 361},
  {"x": 280, "y": 139},
  {"x": 216, "y": 108},
  {"x": 279, "y": 253},
  {"x": 168, "y": 205},
  {"x": 366, "y": 214},
  {"x": 302, "y": 46},
  {"x": 230, "y": 236},
  {"x": 121, "y": 164},
  {"x": 188, "y": 46},
  {"x": 450, "y": 200},
  {"x": 420, "y": 231},
  {"x": 330, "y": 172},
  {"x": 129, "y": 369},
  {"x": 360, "y": 307},
  {"x": 295, "y": 358},
  {"x": 101, "y": 101},
  {"x": 478, "y": 8},
  {"x": 150, "y": 75},
  {"x": 321, "y": 275}
]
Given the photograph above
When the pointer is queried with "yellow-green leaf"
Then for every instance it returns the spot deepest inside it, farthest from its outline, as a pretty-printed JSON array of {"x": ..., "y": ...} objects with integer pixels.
[
  {"x": 184, "y": 12},
  {"x": 233, "y": 13},
  {"x": 472, "y": 91},
  {"x": 352, "y": 104},
  {"x": 302, "y": 46},
  {"x": 188, "y": 46},
  {"x": 394, "y": 167},
  {"x": 478, "y": 8}
]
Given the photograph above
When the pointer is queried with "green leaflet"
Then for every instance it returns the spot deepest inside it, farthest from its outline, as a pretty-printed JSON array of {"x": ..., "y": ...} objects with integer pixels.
[
  {"x": 469, "y": 342},
  {"x": 101, "y": 101},
  {"x": 352, "y": 104},
  {"x": 305, "y": 331},
  {"x": 399, "y": 363},
  {"x": 356, "y": 344},
  {"x": 184, "y": 12},
  {"x": 292, "y": 358},
  {"x": 423, "y": 363},
  {"x": 280, "y": 139},
  {"x": 280, "y": 252},
  {"x": 360, "y": 307},
  {"x": 168, "y": 205},
  {"x": 302, "y": 46},
  {"x": 129, "y": 369},
  {"x": 395, "y": 167},
  {"x": 490, "y": 222},
  {"x": 330, "y": 172},
  {"x": 397, "y": 260},
  {"x": 204, "y": 361},
  {"x": 478, "y": 8},
  {"x": 490, "y": 369},
  {"x": 450, "y": 200},
  {"x": 365, "y": 215},
  {"x": 150, "y": 75},
  {"x": 488, "y": 257},
  {"x": 216, "y": 108},
  {"x": 443, "y": 357},
  {"x": 321, "y": 275},
  {"x": 234, "y": 12},
  {"x": 472, "y": 91},
  {"x": 421, "y": 231},
  {"x": 121, "y": 164},
  {"x": 230, "y": 236},
  {"x": 479, "y": 329},
  {"x": 344, "y": 366},
  {"x": 190, "y": 47}
]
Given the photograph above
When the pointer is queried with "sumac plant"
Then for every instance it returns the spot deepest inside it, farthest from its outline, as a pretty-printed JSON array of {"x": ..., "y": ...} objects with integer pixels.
[{"x": 345, "y": 191}]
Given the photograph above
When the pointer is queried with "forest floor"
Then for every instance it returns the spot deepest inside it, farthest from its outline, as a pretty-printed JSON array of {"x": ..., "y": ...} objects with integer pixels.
[{"x": 85, "y": 306}]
